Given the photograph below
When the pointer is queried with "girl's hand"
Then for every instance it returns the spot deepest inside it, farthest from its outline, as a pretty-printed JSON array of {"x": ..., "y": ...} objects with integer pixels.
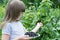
[
  {"x": 37, "y": 27},
  {"x": 25, "y": 37},
  {"x": 39, "y": 24}
]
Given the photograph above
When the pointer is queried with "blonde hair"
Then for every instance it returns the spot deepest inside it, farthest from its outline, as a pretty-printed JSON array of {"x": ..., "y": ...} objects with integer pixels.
[{"x": 13, "y": 10}]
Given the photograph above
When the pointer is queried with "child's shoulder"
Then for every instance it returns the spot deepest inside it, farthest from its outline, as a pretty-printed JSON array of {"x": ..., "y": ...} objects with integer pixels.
[{"x": 7, "y": 25}]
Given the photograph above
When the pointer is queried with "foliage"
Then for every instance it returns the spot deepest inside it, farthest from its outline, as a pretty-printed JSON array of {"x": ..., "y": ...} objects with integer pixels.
[
  {"x": 49, "y": 17},
  {"x": 2, "y": 11},
  {"x": 56, "y": 3},
  {"x": 1, "y": 1}
]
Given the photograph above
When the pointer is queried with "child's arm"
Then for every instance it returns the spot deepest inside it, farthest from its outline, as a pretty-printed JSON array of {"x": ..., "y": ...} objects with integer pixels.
[
  {"x": 5, "y": 37},
  {"x": 25, "y": 37},
  {"x": 37, "y": 27}
]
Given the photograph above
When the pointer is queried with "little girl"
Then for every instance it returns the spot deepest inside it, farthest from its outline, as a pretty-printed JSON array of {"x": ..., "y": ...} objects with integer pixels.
[{"x": 12, "y": 28}]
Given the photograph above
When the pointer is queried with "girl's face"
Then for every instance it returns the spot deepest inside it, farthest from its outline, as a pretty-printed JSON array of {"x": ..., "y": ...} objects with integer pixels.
[{"x": 21, "y": 13}]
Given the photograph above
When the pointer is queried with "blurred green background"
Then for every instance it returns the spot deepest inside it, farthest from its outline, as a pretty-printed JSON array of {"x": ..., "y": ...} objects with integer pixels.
[{"x": 46, "y": 11}]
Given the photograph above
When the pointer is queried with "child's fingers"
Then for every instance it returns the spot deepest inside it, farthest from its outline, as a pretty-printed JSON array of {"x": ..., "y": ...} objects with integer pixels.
[
  {"x": 39, "y": 24},
  {"x": 26, "y": 37}
]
